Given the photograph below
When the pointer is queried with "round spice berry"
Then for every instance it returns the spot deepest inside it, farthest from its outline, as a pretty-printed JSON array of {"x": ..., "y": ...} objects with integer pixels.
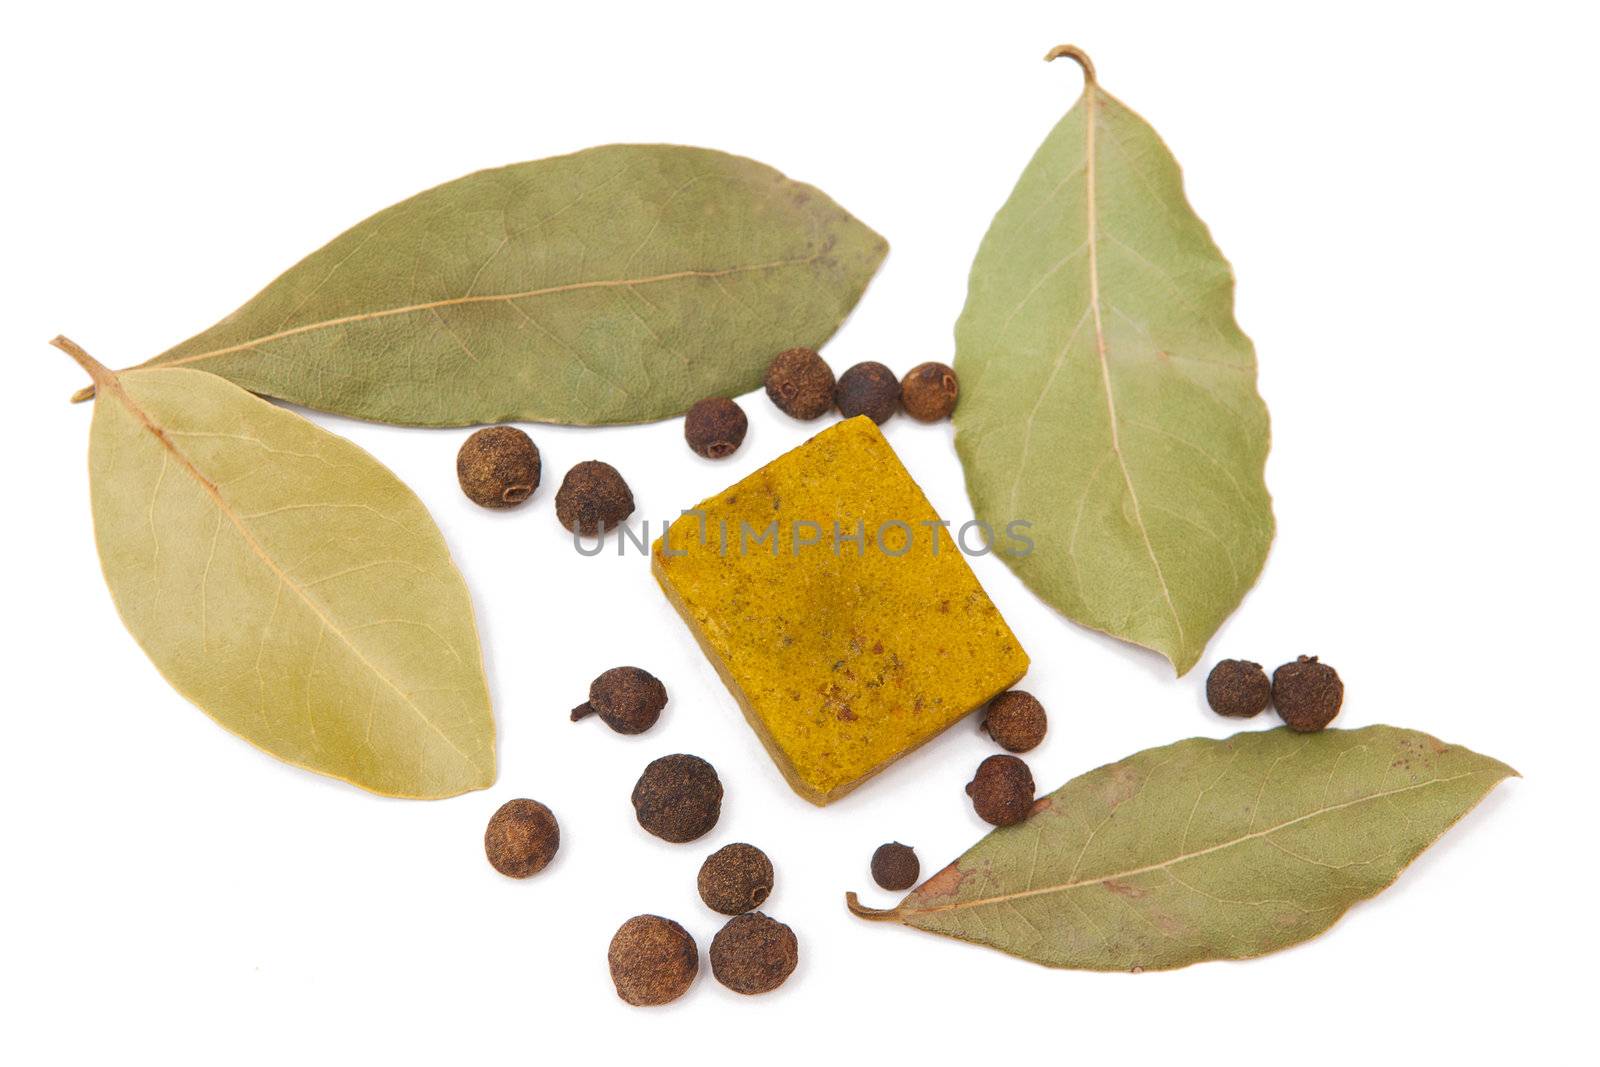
[
  {"x": 895, "y": 866},
  {"x": 522, "y": 838},
  {"x": 929, "y": 391},
  {"x": 653, "y": 960},
  {"x": 498, "y": 467},
  {"x": 678, "y": 798},
  {"x": 593, "y": 498},
  {"x": 627, "y": 699},
  {"x": 715, "y": 427},
  {"x": 735, "y": 878},
  {"x": 753, "y": 953},
  {"x": 869, "y": 389},
  {"x": 1002, "y": 790},
  {"x": 1238, "y": 689},
  {"x": 1307, "y": 694},
  {"x": 800, "y": 383},
  {"x": 1016, "y": 720}
]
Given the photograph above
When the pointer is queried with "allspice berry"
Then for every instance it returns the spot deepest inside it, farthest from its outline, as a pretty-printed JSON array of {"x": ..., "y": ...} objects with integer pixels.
[
  {"x": 800, "y": 383},
  {"x": 653, "y": 960},
  {"x": 715, "y": 427},
  {"x": 1002, "y": 790},
  {"x": 593, "y": 498},
  {"x": 753, "y": 953},
  {"x": 735, "y": 879},
  {"x": 1238, "y": 689},
  {"x": 1307, "y": 694},
  {"x": 895, "y": 866},
  {"x": 929, "y": 391},
  {"x": 627, "y": 699},
  {"x": 498, "y": 467},
  {"x": 869, "y": 389},
  {"x": 1016, "y": 720},
  {"x": 522, "y": 838},
  {"x": 678, "y": 798}
]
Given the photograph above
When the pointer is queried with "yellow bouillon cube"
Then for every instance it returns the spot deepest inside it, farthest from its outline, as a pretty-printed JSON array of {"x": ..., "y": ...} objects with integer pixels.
[{"x": 837, "y": 609}]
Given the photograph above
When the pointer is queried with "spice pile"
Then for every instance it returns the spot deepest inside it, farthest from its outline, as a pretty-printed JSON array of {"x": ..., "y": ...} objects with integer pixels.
[{"x": 861, "y": 644}]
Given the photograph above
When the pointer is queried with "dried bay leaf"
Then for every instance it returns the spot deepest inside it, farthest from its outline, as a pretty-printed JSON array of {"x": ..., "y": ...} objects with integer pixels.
[
  {"x": 1108, "y": 396},
  {"x": 614, "y": 285},
  {"x": 287, "y": 583},
  {"x": 1204, "y": 849}
]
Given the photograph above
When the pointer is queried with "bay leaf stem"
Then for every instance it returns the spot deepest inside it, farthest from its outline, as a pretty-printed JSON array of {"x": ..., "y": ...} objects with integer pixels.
[
  {"x": 96, "y": 370},
  {"x": 1078, "y": 55},
  {"x": 860, "y": 910}
]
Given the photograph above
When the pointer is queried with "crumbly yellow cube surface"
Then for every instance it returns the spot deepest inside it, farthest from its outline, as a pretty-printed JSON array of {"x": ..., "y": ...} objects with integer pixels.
[{"x": 842, "y": 616}]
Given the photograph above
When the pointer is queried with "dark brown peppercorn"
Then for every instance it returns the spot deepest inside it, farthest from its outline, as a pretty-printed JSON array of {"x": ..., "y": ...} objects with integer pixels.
[
  {"x": 800, "y": 383},
  {"x": 929, "y": 391},
  {"x": 627, "y": 699},
  {"x": 653, "y": 960},
  {"x": 735, "y": 878},
  {"x": 1002, "y": 790},
  {"x": 1307, "y": 694},
  {"x": 895, "y": 866},
  {"x": 1016, "y": 720},
  {"x": 715, "y": 427},
  {"x": 753, "y": 953},
  {"x": 593, "y": 498},
  {"x": 498, "y": 467},
  {"x": 869, "y": 389},
  {"x": 678, "y": 798},
  {"x": 522, "y": 838},
  {"x": 1238, "y": 689}
]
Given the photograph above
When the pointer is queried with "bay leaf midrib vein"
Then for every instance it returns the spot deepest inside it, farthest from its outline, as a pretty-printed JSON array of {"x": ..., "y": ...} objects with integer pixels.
[
  {"x": 261, "y": 553},
  {"x": 1185, "y": 857},
  {"x": 480, "y": 298},
  {"x": 1091, "y": 194}
]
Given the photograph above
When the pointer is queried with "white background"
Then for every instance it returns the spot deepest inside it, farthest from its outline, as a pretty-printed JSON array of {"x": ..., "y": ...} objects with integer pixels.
[{"x": 1407, "y": 194}]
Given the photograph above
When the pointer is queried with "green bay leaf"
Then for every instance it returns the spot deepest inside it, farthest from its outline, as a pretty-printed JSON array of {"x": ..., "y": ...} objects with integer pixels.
[
  {"x": 614, "y": 285},
  {"x": 1107, "y": 394},
  {"x": 1204, "y": 849},
  {"x": 287, "y": 583}
]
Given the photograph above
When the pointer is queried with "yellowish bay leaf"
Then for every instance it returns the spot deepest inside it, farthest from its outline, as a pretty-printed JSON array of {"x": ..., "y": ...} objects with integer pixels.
[
  {"x": 287, "y": 583},
  {"x": 1204, "y": 850}
]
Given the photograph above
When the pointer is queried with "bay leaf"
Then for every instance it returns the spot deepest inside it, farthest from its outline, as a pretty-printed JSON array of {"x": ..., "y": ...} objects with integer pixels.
[
  {"x": 1107, "y": 394},
  {"x": 287, "y": 583},
  {"x": 614, "y": 285},
  {"x": 1204, "y": 849}
]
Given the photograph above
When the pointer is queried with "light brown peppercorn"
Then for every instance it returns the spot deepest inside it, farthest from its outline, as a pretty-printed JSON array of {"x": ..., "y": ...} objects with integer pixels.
[
  {"x": 735, "y": 878},
  {"x": 653, "y": 960},
  {"x": 678, "y": 798},
  {"x": 593, "y": 498},
  {"x": 521, "y": 838},
  {"x": 1016, "y": 720},
  {"x": 1307, "y": 694},
  {"x": 800, "y": 383},
  {"x": 753, "y": 953},
  {"x": 1238, "y": 689},
  {"x": 869, "y": 389},
  {"x": 715, "y": 427},
  {"x": 929, "y": 391},
  {"x": 895, "y": 866},
  {"x": 498, "y": 467},
  {"x": 627, "y": 699},
  {"x": 1002, "y": 790}
]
